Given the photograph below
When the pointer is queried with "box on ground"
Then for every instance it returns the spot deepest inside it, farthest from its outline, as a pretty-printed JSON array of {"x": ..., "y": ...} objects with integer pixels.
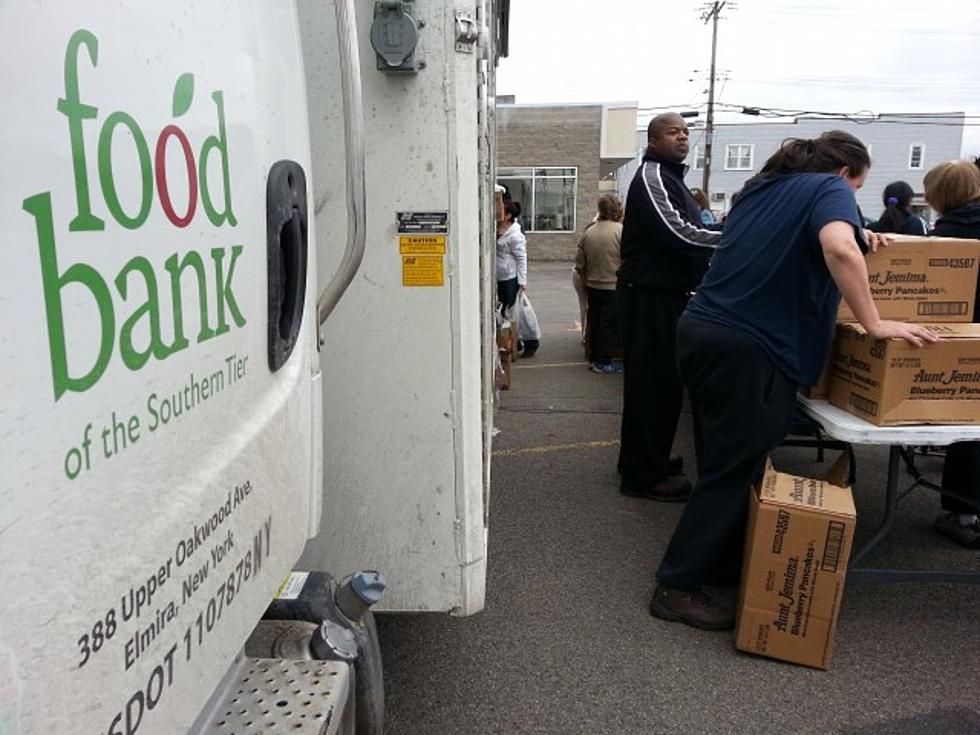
[
  {"x": 892, "y": 382},
  {"x": 923, "y": 279},
  {"x": 799, "y": 539}
]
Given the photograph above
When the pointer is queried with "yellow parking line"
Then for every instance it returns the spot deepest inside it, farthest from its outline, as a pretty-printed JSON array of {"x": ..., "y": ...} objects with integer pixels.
[
  {"x": 556, "y": 448},
  {"x": 527, "y": 366}
]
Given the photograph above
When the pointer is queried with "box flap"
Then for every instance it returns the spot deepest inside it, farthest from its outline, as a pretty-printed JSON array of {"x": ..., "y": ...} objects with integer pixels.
[
  {"x": 808, "y": 493},
  {"x": 927, "y": 241},
  {"x": 947, "y": 330},
  {"x": 838, "y": 472}
]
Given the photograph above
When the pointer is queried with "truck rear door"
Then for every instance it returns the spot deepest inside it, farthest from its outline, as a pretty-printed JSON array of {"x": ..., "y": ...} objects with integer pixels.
[
  {"x": 408, "y": 353},
  {"x": 158, "y": 370}
]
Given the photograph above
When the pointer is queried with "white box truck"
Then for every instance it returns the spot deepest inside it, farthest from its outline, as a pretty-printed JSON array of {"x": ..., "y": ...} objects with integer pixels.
[{"x": 196, "y": 446}]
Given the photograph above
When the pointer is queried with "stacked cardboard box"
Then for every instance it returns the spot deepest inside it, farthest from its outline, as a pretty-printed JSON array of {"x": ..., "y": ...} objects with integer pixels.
[
  {"x": 890, "y": 382},
  {"x": 923, "y": 279}
]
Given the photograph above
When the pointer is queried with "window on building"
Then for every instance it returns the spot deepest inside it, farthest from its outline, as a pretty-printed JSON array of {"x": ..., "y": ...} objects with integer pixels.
[
  {"x": 738, "y": 157},
  {"x": 917, "y": 154},
  {"x": 698, "y": 157},
  {"x": 546, "y": 195}
]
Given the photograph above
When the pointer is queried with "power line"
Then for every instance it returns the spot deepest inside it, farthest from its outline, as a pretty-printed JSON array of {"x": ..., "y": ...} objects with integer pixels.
[
  {"x": 877, "y": 29},
  {"x": 952, "y": 120}
]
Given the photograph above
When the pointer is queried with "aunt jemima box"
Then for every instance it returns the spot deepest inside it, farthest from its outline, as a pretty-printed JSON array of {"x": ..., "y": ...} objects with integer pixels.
[
  {"x": 892, "y": 382},
  {"x": 798, "y": 542},
  {"x": 923, "y": 279}
]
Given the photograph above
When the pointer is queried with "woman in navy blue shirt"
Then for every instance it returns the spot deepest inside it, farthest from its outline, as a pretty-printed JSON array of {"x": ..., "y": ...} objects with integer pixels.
[{"x": 760, "y": 325}]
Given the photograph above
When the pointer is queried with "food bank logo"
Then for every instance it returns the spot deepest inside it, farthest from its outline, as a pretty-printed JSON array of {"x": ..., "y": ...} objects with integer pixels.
[{"x": 216, "y": 299}]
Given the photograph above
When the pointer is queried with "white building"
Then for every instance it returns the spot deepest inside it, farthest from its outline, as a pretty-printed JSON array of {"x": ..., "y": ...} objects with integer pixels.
[{"x": 903, "y": 148}]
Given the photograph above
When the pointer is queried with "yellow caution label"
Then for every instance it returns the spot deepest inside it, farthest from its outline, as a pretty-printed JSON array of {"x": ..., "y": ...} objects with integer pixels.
[
  {"x": 422, "y": 270},
  {"x": 422, "y": 244}
]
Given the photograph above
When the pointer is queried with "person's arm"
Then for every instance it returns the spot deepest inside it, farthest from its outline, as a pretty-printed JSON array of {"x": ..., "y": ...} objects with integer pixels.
[
  {"x": 849, "y": 271},
  {"x": 666, "y": 219},
  {"x": 580, "y": 262},
  {"x": 518, "y": 247}
]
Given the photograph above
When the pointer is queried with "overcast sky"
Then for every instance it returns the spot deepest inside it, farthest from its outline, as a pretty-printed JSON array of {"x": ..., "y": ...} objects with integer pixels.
[{"x": 842, "y": 56}]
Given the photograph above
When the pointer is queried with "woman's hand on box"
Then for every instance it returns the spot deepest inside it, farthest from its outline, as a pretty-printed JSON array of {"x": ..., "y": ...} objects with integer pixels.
[
  {"x": 914, "y": 333},
  {"x": 876, "y": 240}
]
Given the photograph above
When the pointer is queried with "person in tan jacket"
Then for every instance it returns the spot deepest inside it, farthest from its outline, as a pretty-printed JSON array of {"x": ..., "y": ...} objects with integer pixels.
[{"x": 596, "y": 262}]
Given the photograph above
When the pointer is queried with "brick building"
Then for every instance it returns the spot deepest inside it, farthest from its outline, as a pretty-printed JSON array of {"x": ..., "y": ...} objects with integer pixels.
[{"x": 555, "y": 160}]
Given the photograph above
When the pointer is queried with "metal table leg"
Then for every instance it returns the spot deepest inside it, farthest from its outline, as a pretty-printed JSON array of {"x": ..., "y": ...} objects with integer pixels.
[
  {"x": 856, "y": 575},
  {"x": 891, "y": 504}
]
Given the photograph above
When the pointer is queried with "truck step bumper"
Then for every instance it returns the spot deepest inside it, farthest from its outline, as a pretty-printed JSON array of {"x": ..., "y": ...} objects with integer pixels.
[{"x": 275, "y": 695}]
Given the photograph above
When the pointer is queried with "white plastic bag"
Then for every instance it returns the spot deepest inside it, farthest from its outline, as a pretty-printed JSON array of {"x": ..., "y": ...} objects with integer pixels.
[{"x": 527, "y": 321}]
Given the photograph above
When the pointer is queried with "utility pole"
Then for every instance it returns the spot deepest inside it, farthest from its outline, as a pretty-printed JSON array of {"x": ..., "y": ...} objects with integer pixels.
[{"x": 710, "y": 14}]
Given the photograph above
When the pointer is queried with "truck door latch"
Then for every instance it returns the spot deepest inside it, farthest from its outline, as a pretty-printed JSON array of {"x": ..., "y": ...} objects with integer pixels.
[{"x": 466, "y": 32}]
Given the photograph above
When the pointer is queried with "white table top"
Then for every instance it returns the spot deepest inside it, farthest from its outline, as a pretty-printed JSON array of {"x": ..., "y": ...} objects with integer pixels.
[{"x": 846, "y": 427}]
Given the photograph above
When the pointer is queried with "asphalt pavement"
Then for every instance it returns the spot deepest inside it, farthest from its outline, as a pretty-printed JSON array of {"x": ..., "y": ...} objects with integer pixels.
[{"x": 566, "y": 645}]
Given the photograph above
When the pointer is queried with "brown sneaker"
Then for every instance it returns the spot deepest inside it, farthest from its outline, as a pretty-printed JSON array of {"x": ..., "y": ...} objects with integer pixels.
[
  {"x": 697, "y": 609},
  {"x": 674, "y": 489},
  {"x": 949, "y": 526}
]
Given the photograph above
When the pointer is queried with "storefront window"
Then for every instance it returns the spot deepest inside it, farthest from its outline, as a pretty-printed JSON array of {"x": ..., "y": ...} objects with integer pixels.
[{"x": 546, "y": 195}]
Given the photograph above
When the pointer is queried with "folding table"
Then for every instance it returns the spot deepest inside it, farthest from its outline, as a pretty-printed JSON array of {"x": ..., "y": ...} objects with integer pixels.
[{"x": 844, "y": 427}]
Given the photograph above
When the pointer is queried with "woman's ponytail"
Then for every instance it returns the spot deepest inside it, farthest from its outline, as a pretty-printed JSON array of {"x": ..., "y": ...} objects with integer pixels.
[{"x": 826, "y": 154}]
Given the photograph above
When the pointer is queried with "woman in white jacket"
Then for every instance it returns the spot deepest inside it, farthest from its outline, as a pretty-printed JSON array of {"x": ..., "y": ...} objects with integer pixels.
[
  {"x": 512, "y": 266},
  {"x": 511, "y": 256}
]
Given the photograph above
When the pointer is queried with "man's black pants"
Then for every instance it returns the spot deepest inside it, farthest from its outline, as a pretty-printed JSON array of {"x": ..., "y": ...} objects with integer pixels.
[
  {"x": 743, "y": 407},
  {"x": 652, "y": 390},
  {"x": 603, "y": 321}
]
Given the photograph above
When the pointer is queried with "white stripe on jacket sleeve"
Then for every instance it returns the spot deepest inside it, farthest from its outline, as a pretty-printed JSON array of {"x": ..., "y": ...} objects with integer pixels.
[{"x": 680, "y": 227}]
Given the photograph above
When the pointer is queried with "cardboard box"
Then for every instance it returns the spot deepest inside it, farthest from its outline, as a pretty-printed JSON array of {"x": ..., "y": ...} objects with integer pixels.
[
  {"x": 923, "y": 279},
  {"x": 892, "y": 382},
  {"x": 799, "y": 539},
  {"x": 820, "y": 389}
]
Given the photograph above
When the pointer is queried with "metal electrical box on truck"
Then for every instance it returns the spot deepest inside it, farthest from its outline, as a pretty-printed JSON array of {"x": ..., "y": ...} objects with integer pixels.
[{"x": 163, "y": 418}]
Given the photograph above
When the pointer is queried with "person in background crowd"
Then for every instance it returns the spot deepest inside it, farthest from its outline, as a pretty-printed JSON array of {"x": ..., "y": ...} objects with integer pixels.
[
  {"x": 759, "y": 326},
  {"x": 511, "y": 256},
  {"x": 707, "y": 216},
  {"x": 897, "y": 218},
  {"x": 953, "y": 190},
  {"x": 512, "y": 267},
  {"x": 597, "y": 262},
  {"x": 665, "y": 253}
]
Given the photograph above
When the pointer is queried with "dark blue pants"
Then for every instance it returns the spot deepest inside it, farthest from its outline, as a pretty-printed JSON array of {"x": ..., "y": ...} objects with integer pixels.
[
  {"x": 603, "y": 321},
  {"x": 507, "y": 293},
  {"x": 743, "y": 407}
]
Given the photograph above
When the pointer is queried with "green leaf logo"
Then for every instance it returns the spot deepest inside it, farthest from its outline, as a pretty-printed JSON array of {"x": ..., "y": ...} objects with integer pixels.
[{"x": 183, "y": 93}]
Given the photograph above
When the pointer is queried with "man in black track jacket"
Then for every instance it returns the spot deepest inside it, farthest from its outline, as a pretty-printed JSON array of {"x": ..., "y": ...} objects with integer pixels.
[{"x": 665, "y": 251}]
